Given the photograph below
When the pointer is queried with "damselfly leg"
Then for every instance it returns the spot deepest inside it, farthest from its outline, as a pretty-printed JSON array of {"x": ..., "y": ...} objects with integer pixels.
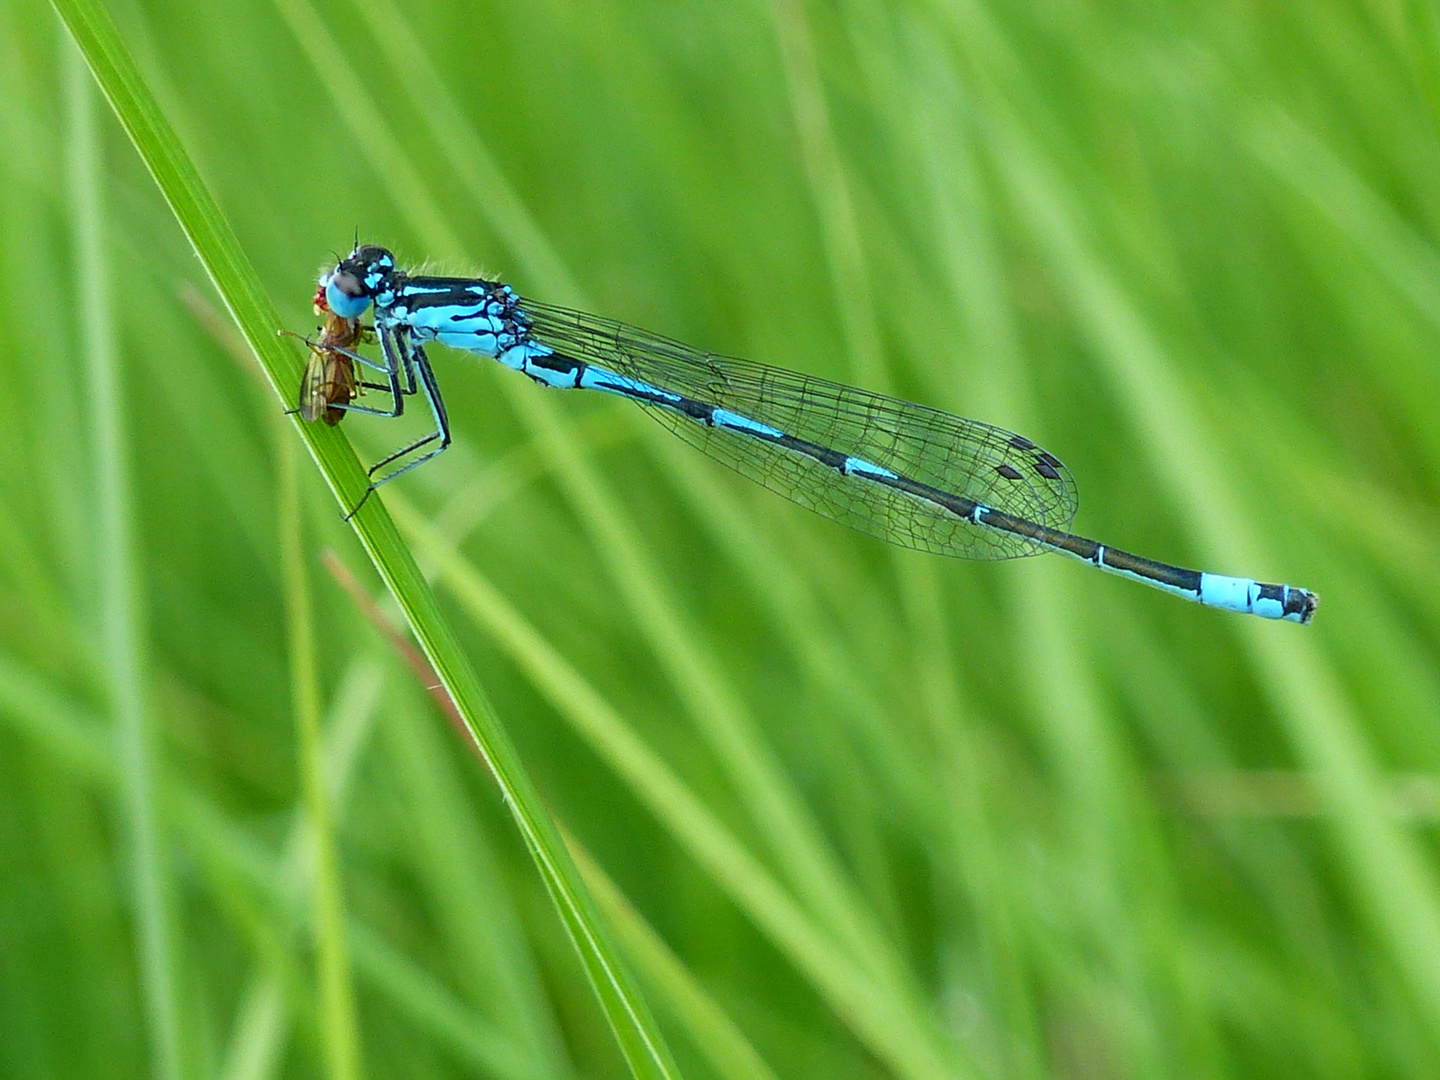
[
  {"x": 412, "y": 357},
  {"x": 403, "y": 354}
]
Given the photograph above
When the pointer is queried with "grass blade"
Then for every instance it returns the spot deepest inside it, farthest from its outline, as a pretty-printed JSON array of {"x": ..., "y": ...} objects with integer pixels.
[
  {"x": 715, "y": 1035},
  {"x": 219, "y": 251},
  {"x": 883, "y": 1013},
  {"x": 339, "y": 1031},
  {"x": 1389, "y": 872},
  {"x": 122, "y": 603}
]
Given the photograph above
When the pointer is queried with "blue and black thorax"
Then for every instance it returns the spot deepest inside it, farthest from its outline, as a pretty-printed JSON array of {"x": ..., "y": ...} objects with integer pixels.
[{"x": 465, "y": 313}]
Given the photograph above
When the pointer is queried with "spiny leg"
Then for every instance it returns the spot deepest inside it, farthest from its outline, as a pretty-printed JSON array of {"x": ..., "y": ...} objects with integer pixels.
[
  {"x": 406, "y": 366},
  {"x": 392, "y": 369},
  {"x": 437, "y": 411}
]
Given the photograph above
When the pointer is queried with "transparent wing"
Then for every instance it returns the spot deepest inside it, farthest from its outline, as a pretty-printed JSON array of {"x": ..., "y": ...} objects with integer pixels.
[
  {"x": 329, "y": 378},
  {"x": 963, "y": 457},
  {"x": 314, "y": 398},
  {"x": 328, "y": 382}
]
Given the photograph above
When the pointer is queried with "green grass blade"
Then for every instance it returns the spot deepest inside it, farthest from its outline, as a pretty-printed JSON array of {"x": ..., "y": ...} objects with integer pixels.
[
  {"x": 260, "y": 1032},
  {"x": 884, "y": 1014},
  {"x": 122, "y": 603},
  {"x": 76, "y": 740},
  {"x": 1389, "y": 872},
  {"x": 715, "y": 1035},
  {"x": 830, "y": 191},
  {"x": 263, "y": 1017},
  {"x": 339, "y": 1031},
  {"x": 475, "y": 166},
  {"x": 712, "y": 1031},
  {"x": 219, "y": 251}
]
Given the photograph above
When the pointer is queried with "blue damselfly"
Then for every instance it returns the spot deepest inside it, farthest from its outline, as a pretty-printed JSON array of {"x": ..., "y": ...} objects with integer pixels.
[{"x": 912, "y": 475}]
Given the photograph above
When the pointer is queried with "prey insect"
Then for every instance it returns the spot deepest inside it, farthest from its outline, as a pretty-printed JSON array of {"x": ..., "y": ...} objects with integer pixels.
[{"x": 329, "y": 386}]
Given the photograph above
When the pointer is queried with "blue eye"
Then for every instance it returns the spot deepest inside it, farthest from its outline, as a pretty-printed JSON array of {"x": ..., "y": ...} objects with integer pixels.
[{"x": 346, "y": 296}]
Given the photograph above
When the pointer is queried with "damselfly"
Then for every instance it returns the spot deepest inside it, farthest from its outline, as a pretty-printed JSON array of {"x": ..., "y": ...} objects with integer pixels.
[{"x": 914, "y": 476}]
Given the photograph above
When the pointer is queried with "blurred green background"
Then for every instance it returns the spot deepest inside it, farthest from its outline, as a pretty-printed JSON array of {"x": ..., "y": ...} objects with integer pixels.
[{"x": 874, "y": 813}]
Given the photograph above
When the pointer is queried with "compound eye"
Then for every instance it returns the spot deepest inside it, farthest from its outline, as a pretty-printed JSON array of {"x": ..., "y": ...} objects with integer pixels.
[
  {"x": 345, "y": 294},
  {"x": 347, "y": 283}
]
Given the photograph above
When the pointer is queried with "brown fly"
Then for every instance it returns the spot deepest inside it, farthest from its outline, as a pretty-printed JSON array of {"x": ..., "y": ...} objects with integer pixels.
[{"x": 329, "y": 381}]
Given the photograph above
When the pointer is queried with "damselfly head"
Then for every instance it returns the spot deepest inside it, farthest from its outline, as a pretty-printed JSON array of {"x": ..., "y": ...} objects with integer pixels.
[{"x": 357, "y": 279}]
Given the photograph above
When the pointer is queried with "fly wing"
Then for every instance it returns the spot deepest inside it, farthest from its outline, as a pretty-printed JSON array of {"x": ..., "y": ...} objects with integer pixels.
[
  {"x": 329, "y": 378},
  {"x": 339, "y": 385},
  {"x": 314, "y": 400},
  {"x": 979, "y": 461}
]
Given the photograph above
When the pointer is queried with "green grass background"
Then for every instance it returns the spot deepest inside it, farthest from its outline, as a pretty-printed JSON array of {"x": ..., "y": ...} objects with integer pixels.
[{"x": 865, "y": 812}]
